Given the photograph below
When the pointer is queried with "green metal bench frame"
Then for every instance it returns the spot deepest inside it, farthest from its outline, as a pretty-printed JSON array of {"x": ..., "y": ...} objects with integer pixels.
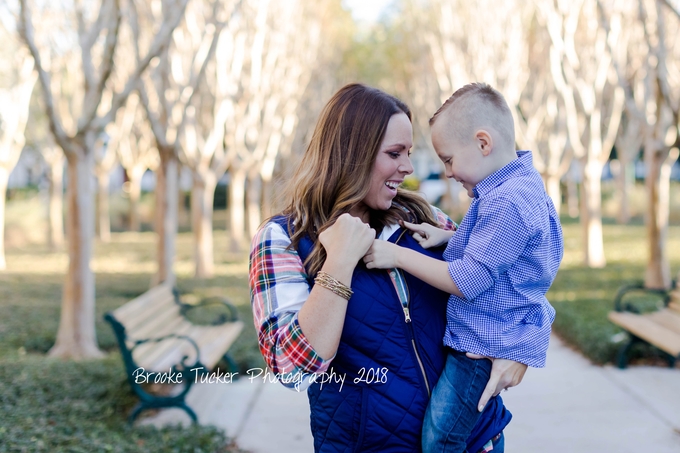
[
  {"x": 148, "y": 400},
  {"x": 620, "y": 306}
]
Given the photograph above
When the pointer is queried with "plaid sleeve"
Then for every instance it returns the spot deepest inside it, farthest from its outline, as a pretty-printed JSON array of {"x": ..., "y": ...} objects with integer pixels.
[
  {"x": 445, "y": 222},
  {"x": 278, "y": 289}
]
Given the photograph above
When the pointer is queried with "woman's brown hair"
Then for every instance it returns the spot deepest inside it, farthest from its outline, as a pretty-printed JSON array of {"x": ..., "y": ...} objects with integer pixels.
[{"x": 335, "y": 170}]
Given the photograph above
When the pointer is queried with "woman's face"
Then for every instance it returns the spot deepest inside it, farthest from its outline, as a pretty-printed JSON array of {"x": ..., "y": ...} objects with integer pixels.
[{"x": 390, "y": 168}]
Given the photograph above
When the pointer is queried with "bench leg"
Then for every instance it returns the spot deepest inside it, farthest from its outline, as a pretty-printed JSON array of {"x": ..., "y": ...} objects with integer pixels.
[
  {"x": 233, "y": 367},
  {"x": 622, "y": 360},
  {"x": 189, "y": 411},
  {"x": 139, "y": 407}
]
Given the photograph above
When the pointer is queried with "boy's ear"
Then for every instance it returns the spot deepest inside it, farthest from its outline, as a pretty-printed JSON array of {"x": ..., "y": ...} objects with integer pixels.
[{"x": 484, "y": 142}]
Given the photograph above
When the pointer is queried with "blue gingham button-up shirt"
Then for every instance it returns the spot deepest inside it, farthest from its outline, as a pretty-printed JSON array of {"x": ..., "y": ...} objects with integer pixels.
[{"x": 503, "y": 258}]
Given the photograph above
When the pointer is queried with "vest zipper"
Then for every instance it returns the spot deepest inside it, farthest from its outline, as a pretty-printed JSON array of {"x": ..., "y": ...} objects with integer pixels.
[{"x": 407, "y": 320}]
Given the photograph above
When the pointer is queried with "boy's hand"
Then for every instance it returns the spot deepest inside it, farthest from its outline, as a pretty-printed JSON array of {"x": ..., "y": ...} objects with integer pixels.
[
  {"x": 382, "y": 255},
  {"x": 504, "y": 374},
  {"x": 428, "y": 235}
]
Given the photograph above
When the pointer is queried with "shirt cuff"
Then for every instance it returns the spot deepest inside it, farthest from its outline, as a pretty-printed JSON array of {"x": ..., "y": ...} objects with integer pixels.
[
  {"x": 471, "y": 278},
  {"x": 301, "y": 353}
]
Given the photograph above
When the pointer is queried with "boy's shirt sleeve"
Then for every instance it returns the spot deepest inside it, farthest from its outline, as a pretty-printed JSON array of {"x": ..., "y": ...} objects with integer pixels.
[
  {"x": 498, "y": 239},
  {"x": 278, "y": 289}
]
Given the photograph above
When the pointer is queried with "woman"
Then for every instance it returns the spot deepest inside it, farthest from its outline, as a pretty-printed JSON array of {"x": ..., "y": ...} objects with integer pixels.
[{"x": 367, "y": 343}]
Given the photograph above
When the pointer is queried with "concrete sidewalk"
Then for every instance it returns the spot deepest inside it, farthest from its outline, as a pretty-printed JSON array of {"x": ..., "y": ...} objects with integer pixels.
[{"x": 571, "y": 406}]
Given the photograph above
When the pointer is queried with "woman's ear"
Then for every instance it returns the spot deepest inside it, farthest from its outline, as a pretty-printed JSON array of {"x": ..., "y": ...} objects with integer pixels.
[{"x": 484, "y": 141}]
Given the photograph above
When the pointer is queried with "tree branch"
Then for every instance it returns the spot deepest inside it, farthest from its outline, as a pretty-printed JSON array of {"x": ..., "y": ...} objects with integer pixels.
[
  {"x": 671, "y": 7},
  {"x": 160, "y": 42},
  {"x": 26, "y": 32},
  {"x": 93, "y": 96}
]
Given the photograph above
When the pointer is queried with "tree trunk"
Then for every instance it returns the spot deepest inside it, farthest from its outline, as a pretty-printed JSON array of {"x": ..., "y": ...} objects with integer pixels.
[
  {"x": 76, "y": 337},
  {"x": 135, "y": 184},
  {"x": 624, "y": 173},
  {"x": 572, "y": 198},
  {"x": 591, "y": 214},
  {"x": 236, "y": 208},
  {"x": 202, "y": 195},
  {"x": 254, "y": 194},
  {"x": 166, "y": 216},
  {"x": 104, "y": 219},
  {"x": 657, "y": 182},
  {"x": 55, "y": 203},
  {"x": 267, "y": 198},
  {"x": 552, "y": 187},
  {"x": 4, "y": 180}
]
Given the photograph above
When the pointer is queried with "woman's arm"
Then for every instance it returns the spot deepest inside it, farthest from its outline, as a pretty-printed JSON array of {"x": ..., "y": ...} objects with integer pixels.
[
  {"x": 323, "y": 315},
  {"x": 299, "y": 330}
]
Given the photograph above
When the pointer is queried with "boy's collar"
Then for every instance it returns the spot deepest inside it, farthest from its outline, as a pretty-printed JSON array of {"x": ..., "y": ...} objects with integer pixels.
[{"x": 517, "y": 167}]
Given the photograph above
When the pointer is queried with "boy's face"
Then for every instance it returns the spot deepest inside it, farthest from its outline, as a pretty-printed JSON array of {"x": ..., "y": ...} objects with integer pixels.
[{"x": 463, "y": 159}]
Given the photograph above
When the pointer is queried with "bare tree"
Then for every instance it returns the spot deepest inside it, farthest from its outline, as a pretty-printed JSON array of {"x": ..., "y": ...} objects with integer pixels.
[
  {"x": 94, "y": 44},
  {"x": 203, "y": 137},
  {"x": 104, "y": 162},
  {"x": 511, "y": 57},
  {"x": 652, "y": 105},
  {"x": 15, "y": 95},
  {"x": 284, "y": 46},
  {"x": 581, "y": 66},
  {"x": 54, "y": 160},
  {"x": 167, "y": 95},
  {"x": 136, "y": 153}
]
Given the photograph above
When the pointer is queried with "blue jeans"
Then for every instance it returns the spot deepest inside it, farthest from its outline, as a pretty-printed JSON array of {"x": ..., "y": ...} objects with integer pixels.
[{"x": 452, "y": 412}]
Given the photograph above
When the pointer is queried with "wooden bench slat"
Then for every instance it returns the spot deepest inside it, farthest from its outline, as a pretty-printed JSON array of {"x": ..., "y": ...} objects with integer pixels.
[
  {"x": 136, "y": 319},
  {"x": 172, "y": 326},
  {"x": 670, "y": 319},
  {"x": 149, "y": 353},
  {"x": 643, "y": 327},
  {"x": 212, "y": 342},
  {"x": 158, "y": 324},
  {"x": 139, "y": 303},
  {"x": 675, "y": 306}
]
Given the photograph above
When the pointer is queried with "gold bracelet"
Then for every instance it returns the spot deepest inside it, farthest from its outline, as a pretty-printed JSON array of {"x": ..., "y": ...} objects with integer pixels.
[{"x": 330, "y": 283}]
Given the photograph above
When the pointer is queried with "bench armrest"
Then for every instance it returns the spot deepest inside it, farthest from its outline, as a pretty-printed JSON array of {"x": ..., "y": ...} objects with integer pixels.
[
  {"x": 620, "y": 306},
  {"x": 214, "y": 300}
]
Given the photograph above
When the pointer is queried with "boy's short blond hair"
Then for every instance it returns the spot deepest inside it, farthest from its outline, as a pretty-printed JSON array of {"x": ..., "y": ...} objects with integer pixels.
[{"x": 475, "y": 106}]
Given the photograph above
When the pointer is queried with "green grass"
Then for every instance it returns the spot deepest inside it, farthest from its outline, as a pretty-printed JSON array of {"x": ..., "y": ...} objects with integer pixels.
[
  {"x": 51, "y": 405},
  {"x": 65, "y": 406}
]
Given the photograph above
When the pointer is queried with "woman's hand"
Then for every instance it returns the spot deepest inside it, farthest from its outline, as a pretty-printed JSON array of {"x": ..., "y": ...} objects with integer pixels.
[
  {"x": 347, "y": 240},
  {"x": 428, "y": 235},
  {"x": 382, "y": 255},
  {"x": 504, "y": 374}
]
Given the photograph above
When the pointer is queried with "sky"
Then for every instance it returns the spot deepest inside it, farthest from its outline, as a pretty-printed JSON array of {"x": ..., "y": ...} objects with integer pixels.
[{"x": 366, "y": 10}]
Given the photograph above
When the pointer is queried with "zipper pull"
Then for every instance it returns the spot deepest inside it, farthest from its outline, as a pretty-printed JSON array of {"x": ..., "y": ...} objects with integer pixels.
[{"x": 407, "y": 315}]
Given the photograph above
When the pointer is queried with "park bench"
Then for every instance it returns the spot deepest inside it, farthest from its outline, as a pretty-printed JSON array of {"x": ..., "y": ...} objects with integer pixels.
[
  {"x": 660, "y": 328},
  {"x": 157, "y": 342}
]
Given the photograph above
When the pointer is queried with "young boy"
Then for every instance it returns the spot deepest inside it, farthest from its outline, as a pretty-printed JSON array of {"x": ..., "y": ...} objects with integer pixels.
[{"x": 498, "y": 265}]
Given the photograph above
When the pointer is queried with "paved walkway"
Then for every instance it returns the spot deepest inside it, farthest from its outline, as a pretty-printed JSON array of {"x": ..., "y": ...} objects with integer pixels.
[{"x": 571, "y": 406}]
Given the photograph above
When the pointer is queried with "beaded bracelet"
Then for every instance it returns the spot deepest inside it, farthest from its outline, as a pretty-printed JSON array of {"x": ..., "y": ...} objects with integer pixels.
[{"x": 330, "y": 283}]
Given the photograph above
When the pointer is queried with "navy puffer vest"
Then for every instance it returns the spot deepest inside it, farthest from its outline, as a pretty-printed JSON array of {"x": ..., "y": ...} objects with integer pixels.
[{"x": 390, "y": 363}]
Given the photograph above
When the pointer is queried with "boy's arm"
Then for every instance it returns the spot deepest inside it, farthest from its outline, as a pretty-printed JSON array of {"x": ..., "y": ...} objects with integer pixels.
[{"x": 385, "y": 255}]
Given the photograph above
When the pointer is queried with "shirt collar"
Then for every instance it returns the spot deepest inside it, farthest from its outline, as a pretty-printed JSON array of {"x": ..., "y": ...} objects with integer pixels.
[{"x": 517, "y": 167}]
